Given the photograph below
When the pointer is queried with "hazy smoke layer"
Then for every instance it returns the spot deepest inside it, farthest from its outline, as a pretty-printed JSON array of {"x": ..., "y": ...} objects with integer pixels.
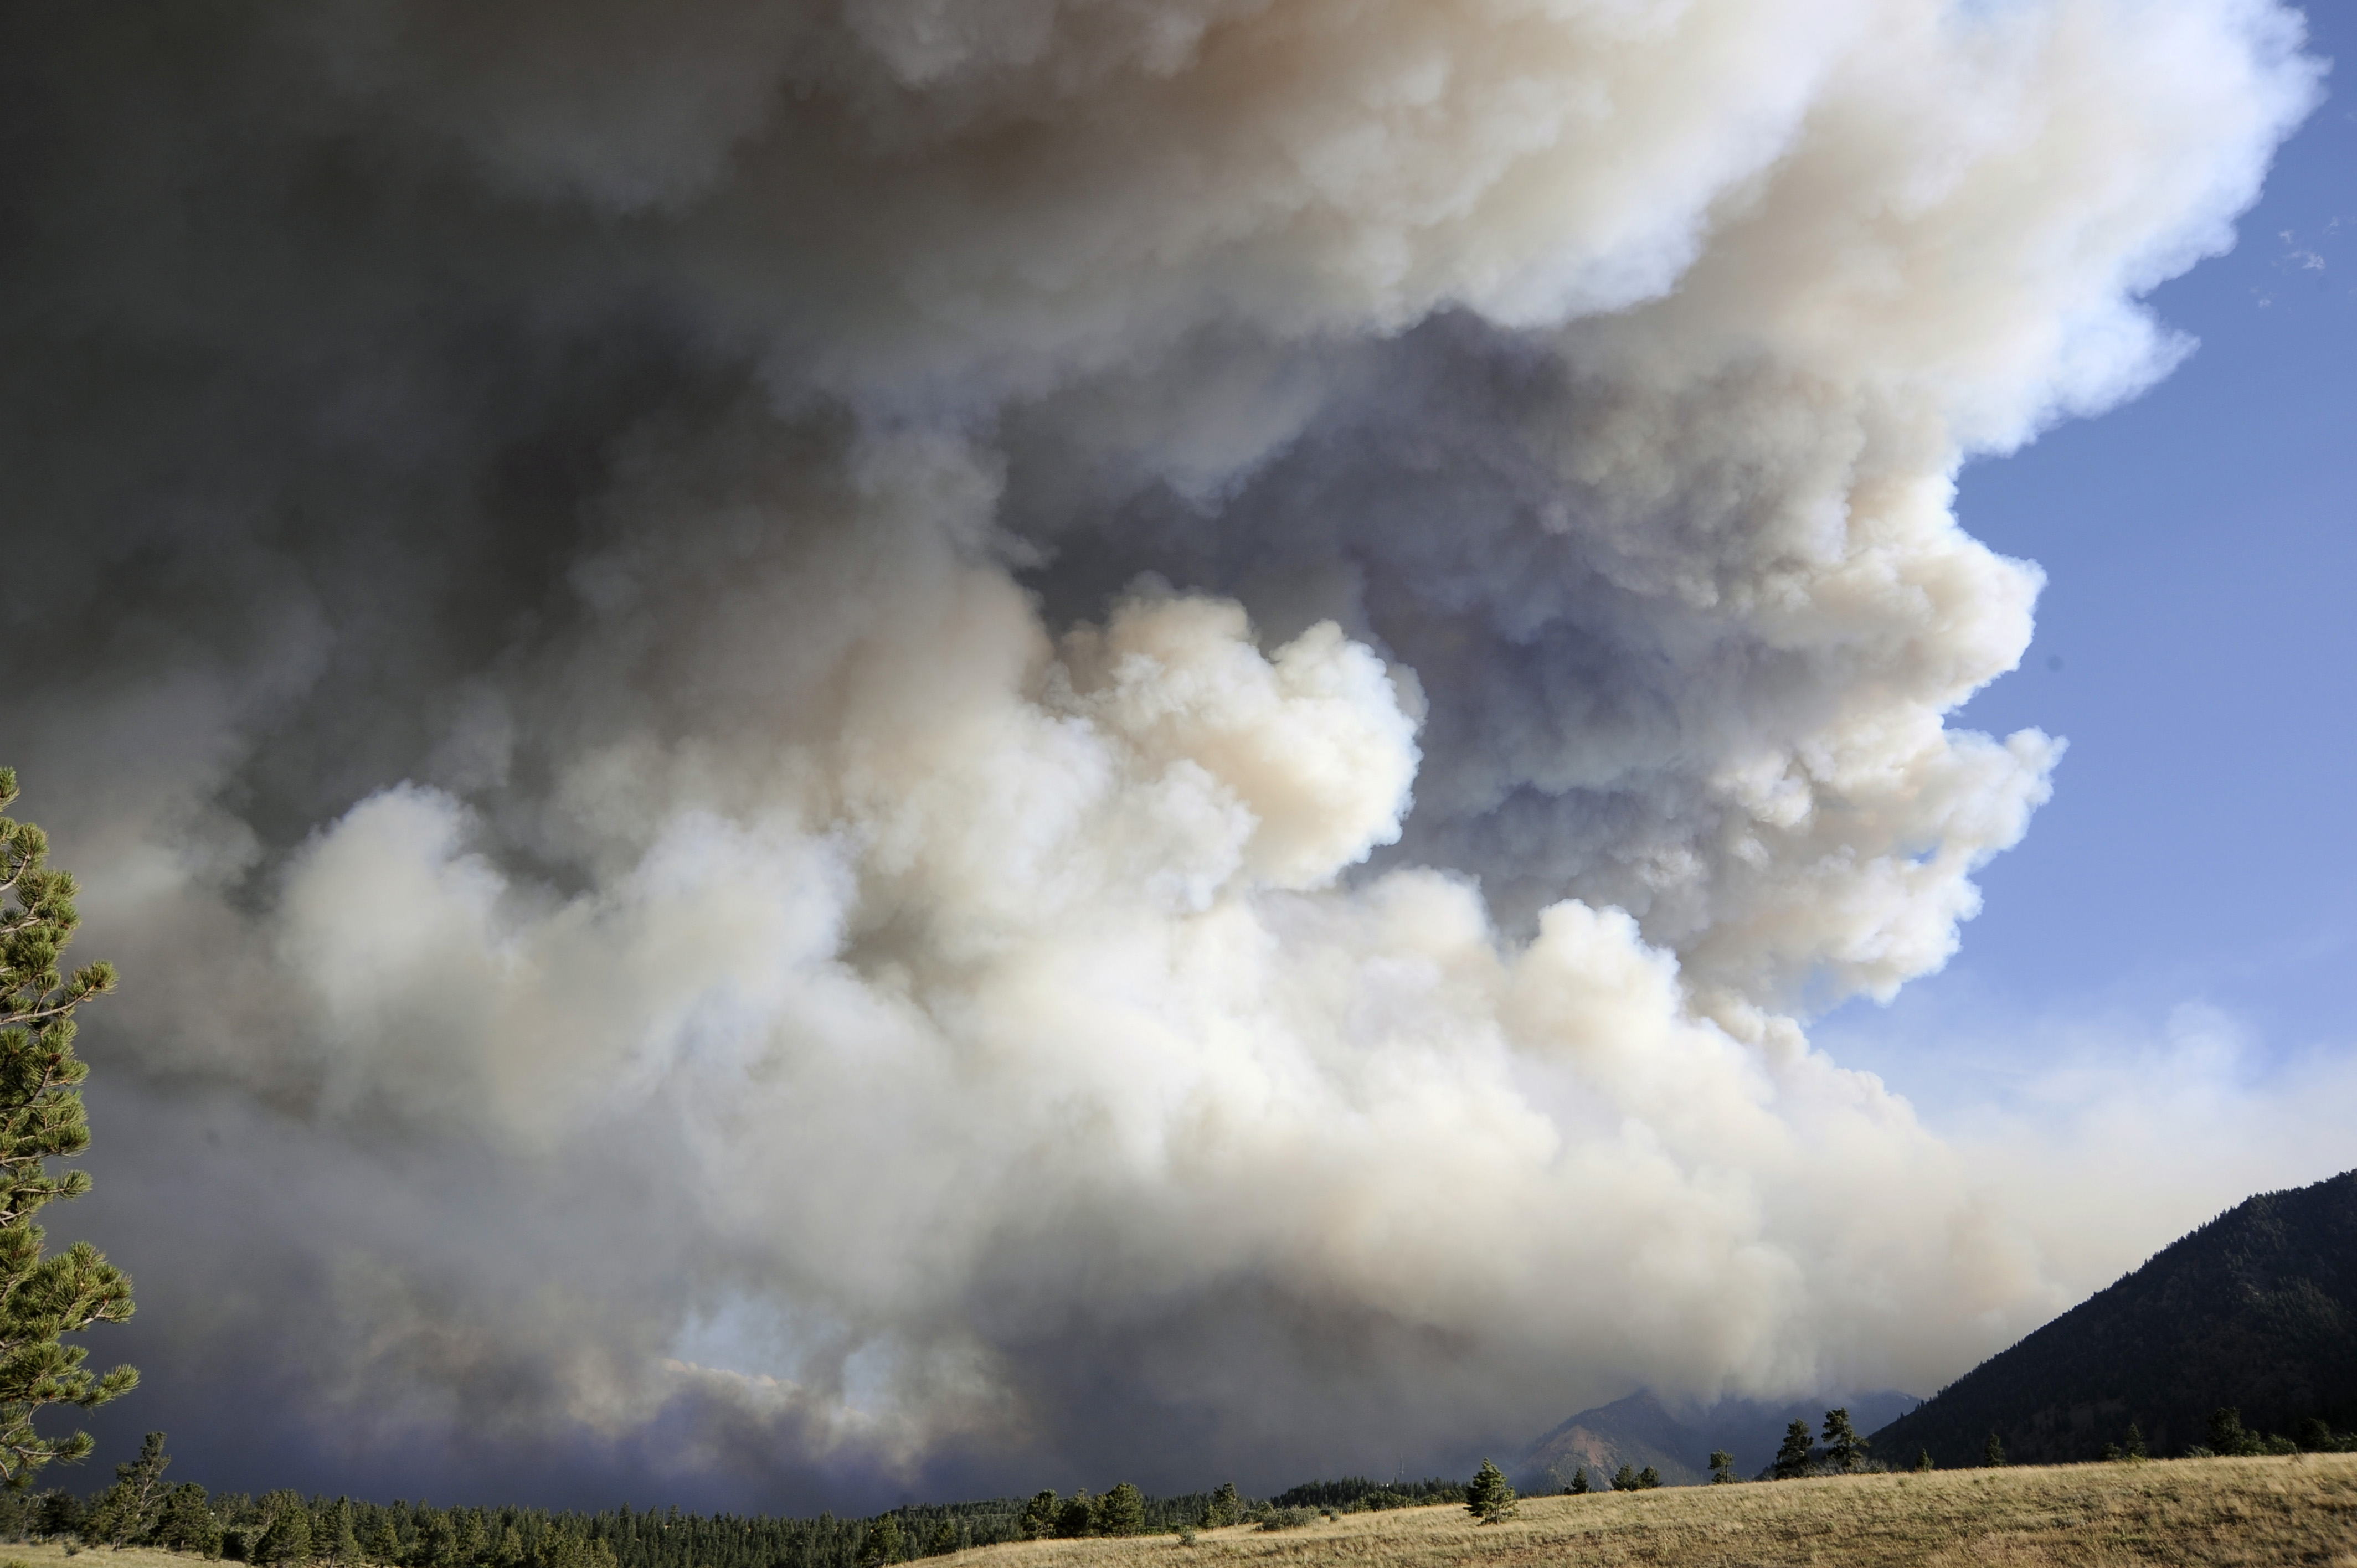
[{"x": 928, "y": 746}]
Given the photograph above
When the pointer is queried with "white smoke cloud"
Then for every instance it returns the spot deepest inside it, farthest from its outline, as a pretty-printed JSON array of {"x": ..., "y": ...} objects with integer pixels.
[{"x": 954, "y": 737}]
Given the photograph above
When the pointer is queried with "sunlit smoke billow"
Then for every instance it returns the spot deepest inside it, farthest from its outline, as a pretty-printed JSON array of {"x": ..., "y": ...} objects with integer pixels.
[{"x": 843, "y": 751}]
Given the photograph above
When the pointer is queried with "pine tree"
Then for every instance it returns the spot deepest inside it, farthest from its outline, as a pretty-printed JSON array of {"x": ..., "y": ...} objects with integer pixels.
[
  {"x": 2135, "y": 1444},
  {"x": 1843, "y": 1442},
  {"x": 41, "y": 1119},
  {"x": 1079, "y": 1516},
  {"x": 288, "y": 1538},
  {"x": 1120, "y": 1511},
  {"x": 383, "y": 1543},
  {"x": 438, "y": 1540},
  {"x": 2227, "y": 1434},
  {"x": 1488, "y": 1497},
  {"x": 1922, "y": 1460},
  {"x": 468, "y": 1532},
  {"x": 1624, "y": 1479},
  {"x": 185, "y": 1523},
  {"x": 1037, "y": 1521},
  {"x": 1648, "y": 1479},
  {"x": 1579, "y": 1487},
  {"x": 1993, "y": 1451},
  {"x": 343, "y": 1544},
  {"x": 126, "y": 1511},
  {"x": 61, "y": 1513},
  {"x": 1792, "y": 1458},
  {"x": 1722, "y": 1467},
  {"x": 883, "y": 1542}
]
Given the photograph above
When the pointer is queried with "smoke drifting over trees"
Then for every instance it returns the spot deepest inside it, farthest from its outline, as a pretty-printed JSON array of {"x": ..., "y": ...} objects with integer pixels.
[{"x": 891, "y": 739}]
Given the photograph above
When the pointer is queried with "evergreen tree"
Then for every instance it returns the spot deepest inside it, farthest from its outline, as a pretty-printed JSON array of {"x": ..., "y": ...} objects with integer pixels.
[
  {"x": 2227, "y": 1434},
  {"x": 1120, "y": 1511},
  {"x": 1579, "y": 1482},
  {"x": 342, "y": 1542},
  {"x": 1037, "y": 1520},
  {"x": 41, "y": 1119},
  {"x": 383, "y": 1543},
  {"x": 1922, "y": 1460},
  {"x": 1078, "y": 1517},
  {"x": 2314, "y": 1435},
  {"x": 125, "y": 1512},
  {"x": 61, "y": 1513},
  {"x": 1624, "y": 1479},
  {"x": 1224, "y": 1508},
  {"x": 436, "y": 1545},
  {"x": 1648, "y": 1479},
  {"x": 288, "y": 1537},
  {"x": 883, "y": 1543},
  {"x": 1993, "y": 1451},
  {"x": 1792, "y": 1458},
  {"x": 184, "y": 1523},
  {"x": 1843, "y": 1442},
  {"x": 2135, "y": 1444},
  {"x": 1722, "y": 1467},
  {"x": 1488, "y": 1497}
]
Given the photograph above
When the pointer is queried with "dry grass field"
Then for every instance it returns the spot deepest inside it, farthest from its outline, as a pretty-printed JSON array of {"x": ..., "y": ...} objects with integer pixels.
[
  {"x": 2192, "y": 1512},
  {"x": 2301, "y": 1510},
  {"x": 48, "y": 1555}
]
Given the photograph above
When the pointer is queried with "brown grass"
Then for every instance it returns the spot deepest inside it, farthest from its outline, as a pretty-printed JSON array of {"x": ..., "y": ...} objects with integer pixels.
[
  {"x": 52, "y": 1554},
  {"x": 2301, "y": 1510},
  {"x": 2190, "y": 1511}
]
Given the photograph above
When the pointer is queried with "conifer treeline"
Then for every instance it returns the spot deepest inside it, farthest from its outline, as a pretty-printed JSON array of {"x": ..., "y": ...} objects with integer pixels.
[{"x": 285, "y": 1527}]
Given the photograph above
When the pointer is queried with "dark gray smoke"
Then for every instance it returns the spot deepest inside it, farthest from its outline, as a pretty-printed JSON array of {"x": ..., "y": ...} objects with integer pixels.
[{"x": 859, "y": 750}]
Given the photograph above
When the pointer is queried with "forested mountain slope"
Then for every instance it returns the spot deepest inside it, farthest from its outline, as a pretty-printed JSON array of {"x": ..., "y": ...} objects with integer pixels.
[{"x": 2258, "y": 1309}]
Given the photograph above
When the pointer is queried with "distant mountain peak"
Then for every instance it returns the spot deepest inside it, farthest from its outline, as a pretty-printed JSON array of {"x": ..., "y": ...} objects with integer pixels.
[{"x": 1639, "y": 1430}]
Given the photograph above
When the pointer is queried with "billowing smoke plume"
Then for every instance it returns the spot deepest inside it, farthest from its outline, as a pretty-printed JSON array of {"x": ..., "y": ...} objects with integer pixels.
[{"x": 902, "y": 746}]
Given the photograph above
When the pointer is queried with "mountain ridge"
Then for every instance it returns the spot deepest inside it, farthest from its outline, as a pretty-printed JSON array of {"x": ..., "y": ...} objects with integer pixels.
[{"x": 2256, "y": 1309}]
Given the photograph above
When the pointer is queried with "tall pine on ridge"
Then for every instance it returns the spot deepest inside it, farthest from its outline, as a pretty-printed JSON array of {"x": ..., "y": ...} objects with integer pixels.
[
  {"x": 1792, "y": 1458},
  {"x": 1843, "y": 1442},
  {"x": 41, "y": 1119}
]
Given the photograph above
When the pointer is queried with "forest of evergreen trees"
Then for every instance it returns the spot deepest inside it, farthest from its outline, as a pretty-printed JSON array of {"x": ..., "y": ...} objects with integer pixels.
[{"x": 286, "y": 1528}]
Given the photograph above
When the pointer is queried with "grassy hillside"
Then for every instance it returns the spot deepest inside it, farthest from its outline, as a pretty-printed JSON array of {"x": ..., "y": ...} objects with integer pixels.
[
  {"x": 2256, "y": 1309},
  {"x": 2301, "y": 1509},
  {"x": 2198, "y": 1512}
]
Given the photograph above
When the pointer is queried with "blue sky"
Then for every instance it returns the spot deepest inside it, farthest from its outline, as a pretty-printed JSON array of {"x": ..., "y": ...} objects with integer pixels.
[{"x": 2196, "y": 645}]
